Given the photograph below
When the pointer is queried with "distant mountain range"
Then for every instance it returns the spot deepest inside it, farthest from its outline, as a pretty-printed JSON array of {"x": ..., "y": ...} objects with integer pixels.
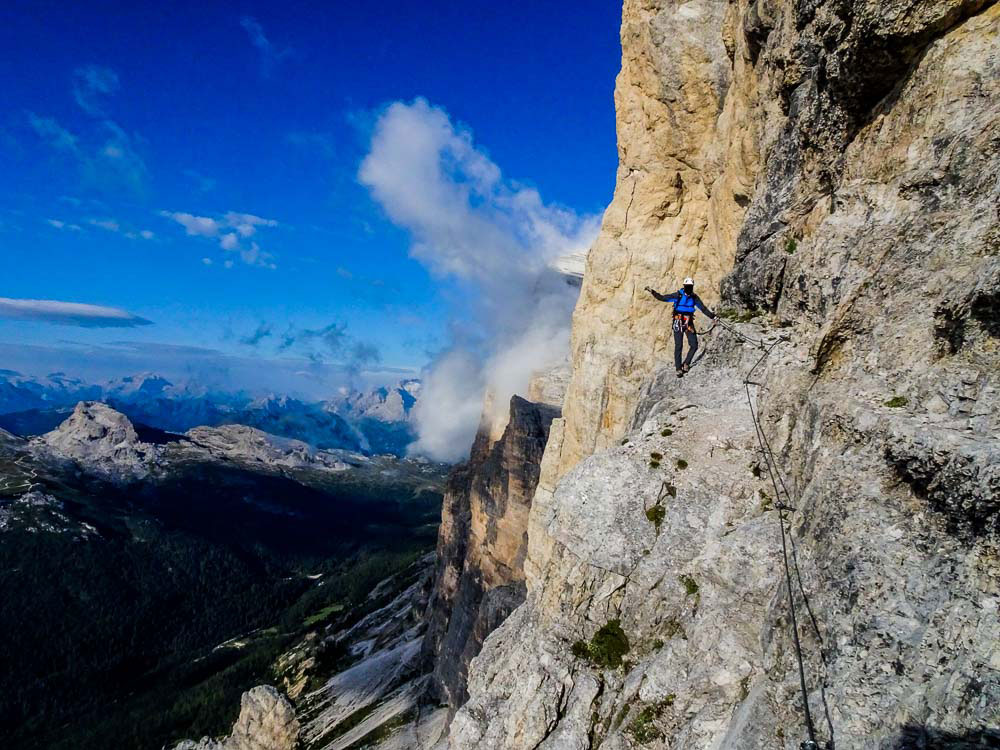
[
  {"x": 162, "y": 574},
  {"x": 374, "y": 422}
]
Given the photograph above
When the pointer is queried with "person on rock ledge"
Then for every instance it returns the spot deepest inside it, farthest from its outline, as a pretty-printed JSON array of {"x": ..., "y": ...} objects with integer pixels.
[{"x": 685, "y": 301}]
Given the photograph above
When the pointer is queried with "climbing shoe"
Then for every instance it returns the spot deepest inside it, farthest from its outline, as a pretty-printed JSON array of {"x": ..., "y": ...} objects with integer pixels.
[
  {"x": 680, "y": 373},
  {"x": 685, "y": 368}
]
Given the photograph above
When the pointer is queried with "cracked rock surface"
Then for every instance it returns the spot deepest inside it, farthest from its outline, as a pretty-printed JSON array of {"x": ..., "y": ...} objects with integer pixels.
[{"x": 831, "y": 169}]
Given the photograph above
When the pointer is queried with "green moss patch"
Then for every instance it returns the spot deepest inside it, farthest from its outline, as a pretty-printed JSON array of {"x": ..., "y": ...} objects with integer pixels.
[
  {"x": 606, "y": 648},
  {"x": 738, "y": 317},
  {"x": 666, "y": 432},
  {"x": 642, "y": 727},
  {"x": 323, "y": 614},
  {"x": 673, "y": 628},
  {"x": 656, "y": 514},
  {"x": 681, "y": 463},
  {"x": 656, "y": 456},
  {"x": 689, "y": 584},
  {"x": 897, "y": 401}
]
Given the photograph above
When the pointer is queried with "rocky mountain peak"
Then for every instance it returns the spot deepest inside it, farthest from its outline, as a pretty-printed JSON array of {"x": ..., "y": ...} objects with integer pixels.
[
  {"x": 102, "y": 440},
  {"x": 145, "y": 384},
  {"x": 385, "y": 403},
  {"x": 267, "y": 722}
]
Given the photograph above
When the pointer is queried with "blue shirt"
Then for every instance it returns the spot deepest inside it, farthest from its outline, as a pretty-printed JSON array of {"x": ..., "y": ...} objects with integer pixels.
[{"x": 676, "y": 297}]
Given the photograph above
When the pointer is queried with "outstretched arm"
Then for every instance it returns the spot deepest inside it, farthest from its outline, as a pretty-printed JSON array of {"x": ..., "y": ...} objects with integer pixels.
[
  {"x": 701, "y": 306},
  {"x": 663, "y": 297}
]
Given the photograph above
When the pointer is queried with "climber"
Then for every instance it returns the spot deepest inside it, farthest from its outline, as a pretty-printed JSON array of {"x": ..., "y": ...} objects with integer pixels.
[{"x": 685, "y": 301}]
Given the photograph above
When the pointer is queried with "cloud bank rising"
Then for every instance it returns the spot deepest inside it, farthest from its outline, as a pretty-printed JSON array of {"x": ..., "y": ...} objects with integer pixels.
[
  {"x": 497, "y": 239},
  {"x": 69, "y": 313}
]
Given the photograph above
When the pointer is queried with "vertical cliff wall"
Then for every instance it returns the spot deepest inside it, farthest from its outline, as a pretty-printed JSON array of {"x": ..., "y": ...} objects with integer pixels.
[
  {"x": 482, "y": 543},
  {"x": 833, "y": 167},
  {"x": 689, "y": 154}
]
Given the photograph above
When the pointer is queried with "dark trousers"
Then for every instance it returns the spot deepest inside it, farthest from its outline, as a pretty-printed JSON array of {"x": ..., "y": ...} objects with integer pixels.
[{"x": 692, "y": 338}]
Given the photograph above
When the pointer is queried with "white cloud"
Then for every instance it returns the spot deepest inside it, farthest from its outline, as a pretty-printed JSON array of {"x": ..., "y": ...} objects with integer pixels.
[
  {"x": 233, "y": 230},
  {"x": 109, "y": 224},
  {"x": 468, "y": 222},
  {"x": 69, "y": 313},
  {"x": 246, "y": 224},
  {"x": 447, "y": 413},
  {"x": 65, "y": 226},
  {"x": 207, "y": 261},
  {"x": 90, "y": 84},
  {"x": 202, "y": 226},
  {"x": 147, "y": 234}
]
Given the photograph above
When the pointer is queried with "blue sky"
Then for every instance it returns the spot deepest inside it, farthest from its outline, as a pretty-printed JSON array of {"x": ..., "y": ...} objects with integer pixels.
[{"x": 197, "y": 165}]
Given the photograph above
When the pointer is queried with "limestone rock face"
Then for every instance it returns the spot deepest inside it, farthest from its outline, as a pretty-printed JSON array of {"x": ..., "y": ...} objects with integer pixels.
[
  {"x": 688, "y": 159},
  {"x": 832, "y": 169},
  {"x": 482, "y": 543},
  {"x": 267, "y": 722},
  {"x": 102, "y": 440}
]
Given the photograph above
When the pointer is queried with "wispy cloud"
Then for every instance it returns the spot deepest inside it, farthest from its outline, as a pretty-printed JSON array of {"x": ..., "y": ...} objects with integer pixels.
[
  {"x": 118, "y": 159},
  {"x": 108, "y": 224},
  {"x": 270, "y": 55},
  {"x": 91, "y": 83},
  {"x": 264, "y": 330},
  {"x": 69, "y": 313},
  {"x": 499, "y": 240},
  {"x": 116, "y": 227},
  {"x": 233, "y": 230},
  {"x": 109, "y": 159},
  {"x": 333, "y": 336},
  {"x": 204, "y": 184},
  {"x": 60, "y": 224},
  {"x": 329, "y": 343},
  {"x": 54, "y": 134}
]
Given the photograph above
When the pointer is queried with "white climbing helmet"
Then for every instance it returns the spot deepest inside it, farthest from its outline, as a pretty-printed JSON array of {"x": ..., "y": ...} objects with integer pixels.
[{"x": 688, "y": 281}]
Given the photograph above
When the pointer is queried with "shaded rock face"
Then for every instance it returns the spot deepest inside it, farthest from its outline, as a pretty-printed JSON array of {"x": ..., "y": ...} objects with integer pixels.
[
  {"x": 833, "y": 167},
  {"x": 482, "y": 544},
  {"x": 267, "y": 722},
  {"x": 381, "y": 689}
]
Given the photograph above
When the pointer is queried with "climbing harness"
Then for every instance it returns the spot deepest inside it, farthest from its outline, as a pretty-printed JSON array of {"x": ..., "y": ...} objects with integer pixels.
[
  {"x": 783, "y": 506},
  {"x": 683, "y": 322}
]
